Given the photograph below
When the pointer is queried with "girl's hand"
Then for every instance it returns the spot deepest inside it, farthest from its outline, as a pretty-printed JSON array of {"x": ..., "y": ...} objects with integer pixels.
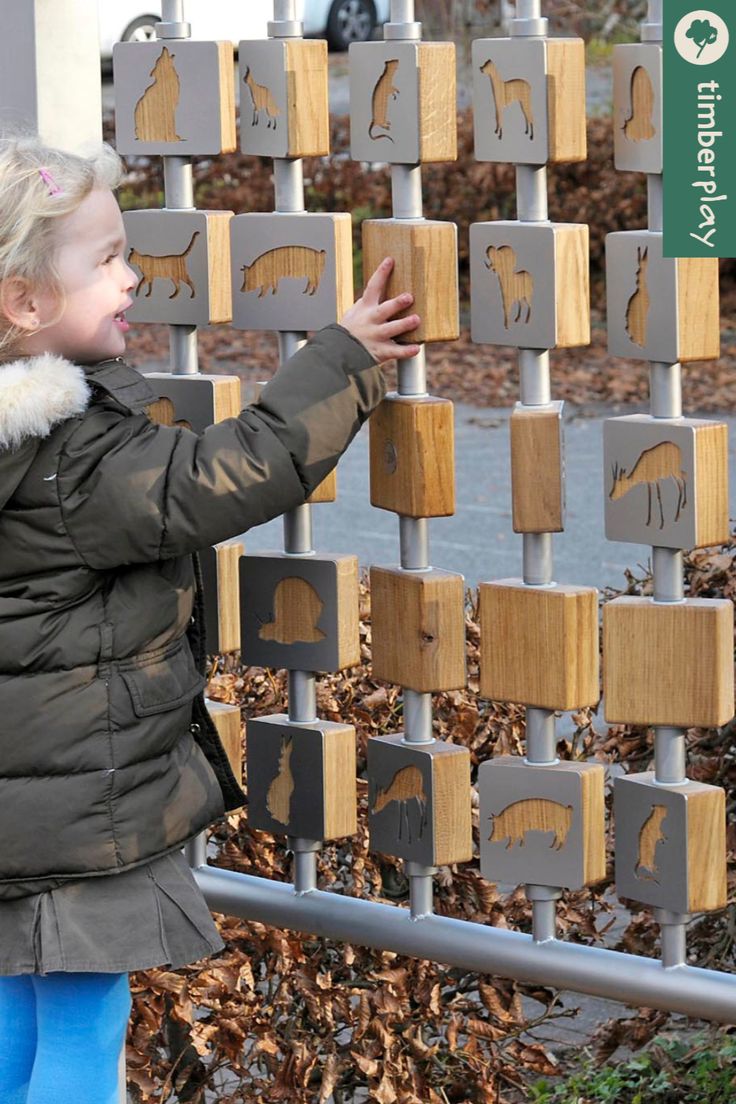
[{"x": 373, "y": 323}]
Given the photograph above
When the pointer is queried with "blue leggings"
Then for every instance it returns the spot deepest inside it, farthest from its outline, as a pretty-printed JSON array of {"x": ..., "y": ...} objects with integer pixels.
[{"x": 61, "y": 1038}]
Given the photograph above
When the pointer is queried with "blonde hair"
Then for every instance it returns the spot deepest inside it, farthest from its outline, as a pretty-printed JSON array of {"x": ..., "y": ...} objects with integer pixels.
[{"x": 30, "y": 208}]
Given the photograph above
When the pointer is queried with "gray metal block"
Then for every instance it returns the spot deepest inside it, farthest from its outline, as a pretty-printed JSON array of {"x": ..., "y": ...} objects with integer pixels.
[
  {"x": 639, "y": 280},
  {"x": 523, "y": 314},
  {"x": 652, "y": 841},
  {"x": 192, "y": 397},
  {"x": 384, "y": 102},
  {"x": 637, "y": 79},
  {"x": 506, "y": 133},
  {"x": 264, "y": 104},
  {"x": 649, "y": 467},
  {"x": 284, "y": 271},
  {"x": 186, "y": 82},
  {"x": 168, "y": 251},
  {"x": 274, "y": 625},
  {"x": 532, "y": 827},
  {"x": 288, "y": 776}
]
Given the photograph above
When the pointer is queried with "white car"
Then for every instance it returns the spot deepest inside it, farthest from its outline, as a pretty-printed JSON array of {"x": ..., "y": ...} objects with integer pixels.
[{"x": 340, "y": 21}]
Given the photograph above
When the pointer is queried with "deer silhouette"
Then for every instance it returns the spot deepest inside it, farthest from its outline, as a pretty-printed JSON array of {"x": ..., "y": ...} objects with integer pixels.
[
  {"x": 506, "y": 92},
  {"x": 405, "y": 786},
  {"x": 262, "y": 100},
  {"x": 516, "y": 287},
  {"x": 637, "y": 309},
  {"x": 662, "y": 461}
]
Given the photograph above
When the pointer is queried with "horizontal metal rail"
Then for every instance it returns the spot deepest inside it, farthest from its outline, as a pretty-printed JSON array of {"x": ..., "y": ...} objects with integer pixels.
[{"x": 630, "y": 979}]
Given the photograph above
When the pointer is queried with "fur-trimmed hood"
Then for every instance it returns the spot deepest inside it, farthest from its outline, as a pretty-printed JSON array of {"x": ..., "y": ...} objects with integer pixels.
[{"x": 36, "y": 393}]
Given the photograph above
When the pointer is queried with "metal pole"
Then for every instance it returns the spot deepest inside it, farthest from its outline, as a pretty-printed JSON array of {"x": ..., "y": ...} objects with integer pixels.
[{"x": 631, "y": 979}]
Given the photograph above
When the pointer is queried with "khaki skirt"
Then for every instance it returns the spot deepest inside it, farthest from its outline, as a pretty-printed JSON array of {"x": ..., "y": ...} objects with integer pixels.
[{"x": 154, "y": 915}]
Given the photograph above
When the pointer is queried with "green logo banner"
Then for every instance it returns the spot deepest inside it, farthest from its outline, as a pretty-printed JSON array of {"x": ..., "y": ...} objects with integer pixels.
[{"x": 699, "y": 132}]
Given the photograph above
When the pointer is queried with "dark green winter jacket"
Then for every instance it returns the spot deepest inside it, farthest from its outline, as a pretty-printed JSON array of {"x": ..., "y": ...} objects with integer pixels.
[{"x": 107, "y": 757}]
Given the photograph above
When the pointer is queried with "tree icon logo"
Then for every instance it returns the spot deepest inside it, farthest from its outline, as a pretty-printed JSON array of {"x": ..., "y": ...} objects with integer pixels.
[{"x": 701, "y": 37}]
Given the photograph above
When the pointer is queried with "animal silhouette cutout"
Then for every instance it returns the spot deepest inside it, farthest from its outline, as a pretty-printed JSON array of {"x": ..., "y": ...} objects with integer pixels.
[
  {"x": 517, "y": 288},
  {"x": 637, "y": 309},
  {"x": 507, "y": 92},
  {"x": 662, "y": 461},
  {"x": 296, "y": 261},
  {"x": 172, "y": 266},
  {"x": 155, "y": 112},
  {"x": 162, "y": 412},
  {"x": 384, "y": 91},
  {"x": 262, "y": 101},
  {"x": 405, "y": 786},
  {"x": 650, "y": 835},
  {"x": 278, "y": 798},
  {"x": 531, "y": 814},
  {"x": 297, "y": 609},
  {"x": 639, "y": 126}
]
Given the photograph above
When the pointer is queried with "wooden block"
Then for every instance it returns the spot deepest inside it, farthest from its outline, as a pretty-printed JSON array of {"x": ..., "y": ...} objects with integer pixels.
[
  {"x": 537, "y": 469},
  {"x": 542, "y": 825},
  {"x": 221, "y": 582},
  {"x": 301, "y": 778},
  {"x": 539, "y": 645},
  {"x": 418, "y": 628},
  {"x": 195, "y": 401},
  {"x": 291, "y": 272},
  {"x": 529, "y": 100},
  {"x": 182, "y": 259},
  {"x": 529, "y": 284},
  {"x": 403, "y": 102},
  {"x": 660, "y": 308},
  {"x": 326, "y": 491},
  {"x": 412, "y": 457},
  {"x": 300, "y": 613},
  {"x": 670, "y": 843},
  {"x": 227, "y": 722},
  {"x": 637, "y": 107},
  {"x": 419, "y": 800},
  {"x": 668, "y": 663},
  {"x": 667, "y": 481},
  {"x": 283, "y": 95},
  {"x": 174, "y": 97},
  {"x": 425, "y": 263}
]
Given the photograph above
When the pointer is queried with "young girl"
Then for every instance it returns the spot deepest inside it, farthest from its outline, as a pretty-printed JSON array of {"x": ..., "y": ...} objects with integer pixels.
[{"x": 108, "y": 760}]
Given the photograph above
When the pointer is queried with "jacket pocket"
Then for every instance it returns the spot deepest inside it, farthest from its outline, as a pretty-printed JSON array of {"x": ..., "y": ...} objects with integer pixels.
[{"x": 163, "y": 682}]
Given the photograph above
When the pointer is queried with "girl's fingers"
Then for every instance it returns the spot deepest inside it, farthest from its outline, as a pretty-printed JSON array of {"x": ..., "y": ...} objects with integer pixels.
[
  {"x": 391, "y": 307},
  {"x": 375, "y": 289},
  {"x": 391, "y": 350},
  {"x": 399, "y": 326}
]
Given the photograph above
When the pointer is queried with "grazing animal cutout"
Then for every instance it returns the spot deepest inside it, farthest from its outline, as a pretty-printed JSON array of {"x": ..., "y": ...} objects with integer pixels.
[
  {"x": 172, "y": 266},
  {"x": 297, "y": 609},
  {"x": 278, "y": 798},
  {"x": 405, "y": 786},
  {"x": 639, "y": 126},
  {"x": 262, "y": 101},
  {"x": 383, "y": 93},
  {"x": 531, "y": 814},
  {"x": 162, "y": 413},
  {"x": 662, "y": 461},
  {"x": 516, "y": 287},
  {"x": 650, "y": 835},
  {"x": 296, "y": 261},
  {"x": 506, "y": 92},
  {"x": 637, "y": 310},
  {"x": 155, "y": 112}
]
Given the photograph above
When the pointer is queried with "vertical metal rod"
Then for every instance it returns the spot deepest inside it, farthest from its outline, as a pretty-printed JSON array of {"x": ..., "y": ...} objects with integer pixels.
[
  {"x": 528, "y": 9},
  {"x": 531, "y": 193},
  {"x": 667, "y": 574},
  {"x": 402, "y": 11},
  {"x": 655, "y": 202},
  {"x": 413, "y": 374},
  {"x": 288, "y": 184},
  {"x": 534, "y": 382},
  {"x": 670, "y": 759},
  {"x": 298, "y": 530},
  {"x": 537, "y": 552},
  {"x": 544, "y": 911},
  {"x": 305, "y": 864},
  {"x": 302, "y": 697},
  {"x": 196, "y": 850},
  {"x": 421, "y": 889},
  {"x": 673, "y": 937},
  {"x": 414, "y": 541},
  {"x": 417, "y": 717},
  {"x": 172, "y": 11},
  {"x": 541, "y": 741},
  {"x": 406, "y": 191},
  {"x": 284, "y": 10},
  {"x": 178, "y": 183},
  {"x": 665, "y": 390}
]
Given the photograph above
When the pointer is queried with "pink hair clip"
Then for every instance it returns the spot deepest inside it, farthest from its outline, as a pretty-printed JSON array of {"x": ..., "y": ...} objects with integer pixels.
[{"x": 50, "y": 183}]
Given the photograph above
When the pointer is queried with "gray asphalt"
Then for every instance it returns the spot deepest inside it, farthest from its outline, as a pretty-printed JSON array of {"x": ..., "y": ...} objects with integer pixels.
[{"x": 478, "y": 541}]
